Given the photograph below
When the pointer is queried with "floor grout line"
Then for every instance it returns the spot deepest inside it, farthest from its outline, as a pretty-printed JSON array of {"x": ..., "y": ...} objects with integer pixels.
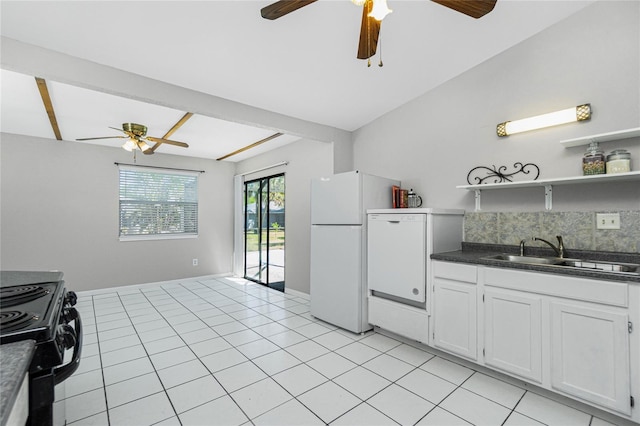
[{"x": 185, "y": 296}]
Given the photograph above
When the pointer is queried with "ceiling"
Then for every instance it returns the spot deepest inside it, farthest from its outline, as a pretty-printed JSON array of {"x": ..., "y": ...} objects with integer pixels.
[{"x": 302, "y": 65}]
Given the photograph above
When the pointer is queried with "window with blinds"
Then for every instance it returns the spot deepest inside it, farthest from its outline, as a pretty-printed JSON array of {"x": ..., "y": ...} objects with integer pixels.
[{"x": 160, "y": 203}]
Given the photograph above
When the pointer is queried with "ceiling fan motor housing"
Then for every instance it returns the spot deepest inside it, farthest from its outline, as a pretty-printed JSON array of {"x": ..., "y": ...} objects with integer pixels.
[{"x": 136, "y": 129}]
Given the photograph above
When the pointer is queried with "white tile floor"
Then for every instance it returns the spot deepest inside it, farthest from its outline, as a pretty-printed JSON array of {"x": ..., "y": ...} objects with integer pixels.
[{"x": 224, "y": 351}]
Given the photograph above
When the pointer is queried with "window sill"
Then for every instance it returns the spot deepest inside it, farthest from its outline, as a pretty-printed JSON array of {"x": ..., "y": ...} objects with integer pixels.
[{"x": 157, "y": 237}]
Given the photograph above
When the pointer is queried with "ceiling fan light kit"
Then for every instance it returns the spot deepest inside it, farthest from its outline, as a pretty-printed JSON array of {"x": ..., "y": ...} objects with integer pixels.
[
  {"x": 379, "y": 10},
  {"x": 132, "y": 144}
]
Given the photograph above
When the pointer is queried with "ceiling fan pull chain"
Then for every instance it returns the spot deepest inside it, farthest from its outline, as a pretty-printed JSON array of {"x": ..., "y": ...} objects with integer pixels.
[
  {"x": 368, "y": 62},
  {"x": 380, "y": 47}
]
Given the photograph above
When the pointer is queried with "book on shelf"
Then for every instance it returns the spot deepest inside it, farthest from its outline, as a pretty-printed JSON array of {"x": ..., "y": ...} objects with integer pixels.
[
  {"x": 395, "y": 196},
  {"x": 404, "y": 198},
  {"x": 400, "y": 197}
]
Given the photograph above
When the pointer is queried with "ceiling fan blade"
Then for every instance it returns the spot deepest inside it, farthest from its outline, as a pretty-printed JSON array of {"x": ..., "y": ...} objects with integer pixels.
[
  {"x": 103, "y": 137},
  {"x": 474, "y": 8},
  {"x": 280, "y": 8},
  {"x": 369, "y": 31},
  {"x": 167, "y": 141}
]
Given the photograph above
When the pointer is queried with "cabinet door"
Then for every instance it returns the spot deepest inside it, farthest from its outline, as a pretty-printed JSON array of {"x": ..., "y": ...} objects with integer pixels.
[
  {"x": 455, "y": 322},
  {"x": 513, "y": 332},
  {"x": 590, "y": 354}
]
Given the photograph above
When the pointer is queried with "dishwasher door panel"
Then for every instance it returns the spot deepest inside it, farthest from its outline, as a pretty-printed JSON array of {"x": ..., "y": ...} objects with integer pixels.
[{"x": 396, "y": 251}]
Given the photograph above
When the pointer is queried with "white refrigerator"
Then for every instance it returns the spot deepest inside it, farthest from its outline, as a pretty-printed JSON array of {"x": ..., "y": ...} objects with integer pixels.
[{"x": 338, "y": 281}]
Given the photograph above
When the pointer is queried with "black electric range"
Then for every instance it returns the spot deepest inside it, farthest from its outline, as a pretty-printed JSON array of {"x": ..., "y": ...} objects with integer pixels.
[{"x": 36, "y": 306}]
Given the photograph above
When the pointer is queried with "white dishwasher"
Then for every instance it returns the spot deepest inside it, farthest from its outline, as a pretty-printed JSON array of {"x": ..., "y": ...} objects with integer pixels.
[
  {"x": 399, "y": 247},
  {"x": 397, "y": 255}
]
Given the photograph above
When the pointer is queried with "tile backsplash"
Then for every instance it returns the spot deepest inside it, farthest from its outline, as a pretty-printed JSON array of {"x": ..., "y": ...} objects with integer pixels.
[{"x": 578, "y": 229}]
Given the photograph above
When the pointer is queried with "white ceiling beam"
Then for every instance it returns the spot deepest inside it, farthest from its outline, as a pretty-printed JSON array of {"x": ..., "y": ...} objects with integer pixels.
[{"x": 55, "y": 66}]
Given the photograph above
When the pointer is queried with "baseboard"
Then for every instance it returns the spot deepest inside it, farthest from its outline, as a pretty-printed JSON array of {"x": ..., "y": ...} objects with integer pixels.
[
  {"x": 99, "y": 291},
  {"x": 297, "y": 293}
]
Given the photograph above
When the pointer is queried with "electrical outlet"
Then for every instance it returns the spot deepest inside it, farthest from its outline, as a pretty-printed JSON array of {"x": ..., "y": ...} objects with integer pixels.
[
  {"x": 608, "y": 220},
  {"x": 195, "y": 262}
]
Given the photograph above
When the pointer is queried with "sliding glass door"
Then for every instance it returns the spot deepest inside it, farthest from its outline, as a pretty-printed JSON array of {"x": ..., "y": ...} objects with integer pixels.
[{"x": 264, "y": 231}]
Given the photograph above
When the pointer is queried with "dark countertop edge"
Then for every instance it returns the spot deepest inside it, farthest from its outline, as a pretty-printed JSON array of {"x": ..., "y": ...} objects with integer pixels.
[
  {"x": 16, "y": 358},
  {"x": 473, "y": 253}
]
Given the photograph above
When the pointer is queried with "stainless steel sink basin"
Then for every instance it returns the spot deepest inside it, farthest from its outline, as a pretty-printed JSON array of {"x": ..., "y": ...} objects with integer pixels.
[
  {"x": 599, "y": 265},
  {"x": 596, "y": 265},
  {"x": 536, "y": 260}
]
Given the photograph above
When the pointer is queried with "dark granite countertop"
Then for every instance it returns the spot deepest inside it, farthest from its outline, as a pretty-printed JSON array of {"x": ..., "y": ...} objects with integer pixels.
[
  {"x": 16, "y": 358},
  {"x": 473, "y": 253}
]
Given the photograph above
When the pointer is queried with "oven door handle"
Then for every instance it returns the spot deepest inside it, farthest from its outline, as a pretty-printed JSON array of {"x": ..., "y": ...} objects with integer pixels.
[{"x": 62, "y": 373}]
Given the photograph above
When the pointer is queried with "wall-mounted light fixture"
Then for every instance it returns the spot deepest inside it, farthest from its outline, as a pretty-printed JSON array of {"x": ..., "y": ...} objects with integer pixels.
[{"x": 579, "y": 113}]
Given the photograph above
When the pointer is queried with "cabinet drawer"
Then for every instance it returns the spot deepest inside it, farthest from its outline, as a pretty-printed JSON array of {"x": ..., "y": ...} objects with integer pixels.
[
  {"x": 398, "y": 318},
  {"x": 455, "y": 271},
  {"x": 590, "y": 290}
]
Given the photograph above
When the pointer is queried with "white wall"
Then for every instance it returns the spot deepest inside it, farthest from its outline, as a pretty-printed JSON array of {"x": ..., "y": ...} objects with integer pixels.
[
  {"x": 307, "y": 159},
  {"x": 60, "y": 211},
  {"x": 432, "y": 142}
]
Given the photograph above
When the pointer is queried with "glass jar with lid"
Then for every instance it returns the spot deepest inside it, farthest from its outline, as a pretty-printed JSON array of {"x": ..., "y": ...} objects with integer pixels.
[
  {"x": 619, "y": 161},
  {"x": 593, "y": 160}
]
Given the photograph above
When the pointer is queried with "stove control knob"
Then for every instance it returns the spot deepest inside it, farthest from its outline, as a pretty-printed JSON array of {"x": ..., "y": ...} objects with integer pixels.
[
  {"x": 68, "y": 315},
  {"x": 66, "y": 336},
  {"x": 71, "y": 298}
]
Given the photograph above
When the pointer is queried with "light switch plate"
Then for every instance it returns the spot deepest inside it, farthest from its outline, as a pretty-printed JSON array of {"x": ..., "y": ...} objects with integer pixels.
[{"x": 608, "y": 220}]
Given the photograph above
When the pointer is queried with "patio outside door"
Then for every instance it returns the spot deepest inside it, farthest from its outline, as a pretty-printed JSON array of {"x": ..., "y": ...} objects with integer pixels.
[{"x": 264, "y": 231}]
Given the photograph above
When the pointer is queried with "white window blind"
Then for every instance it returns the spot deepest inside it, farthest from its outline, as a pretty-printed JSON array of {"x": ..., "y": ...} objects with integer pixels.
[{"x": 158, "y": 203}]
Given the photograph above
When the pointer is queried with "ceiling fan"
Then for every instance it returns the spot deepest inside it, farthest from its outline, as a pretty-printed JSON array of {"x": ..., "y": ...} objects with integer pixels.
[
  {"x": 370, "y": 27},
  {"x": 136, "y": 135}
]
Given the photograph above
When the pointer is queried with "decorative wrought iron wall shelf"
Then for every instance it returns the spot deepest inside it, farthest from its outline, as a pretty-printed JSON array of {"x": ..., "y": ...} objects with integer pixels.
[{"x": 548, "y": 184}]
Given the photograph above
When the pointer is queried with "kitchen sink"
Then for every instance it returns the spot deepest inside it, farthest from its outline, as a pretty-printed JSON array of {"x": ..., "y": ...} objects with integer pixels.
[
  {"x": 631, "y": 268},
  {"x": 536, "y": 260},
  {"x": 595, "y": 265}
]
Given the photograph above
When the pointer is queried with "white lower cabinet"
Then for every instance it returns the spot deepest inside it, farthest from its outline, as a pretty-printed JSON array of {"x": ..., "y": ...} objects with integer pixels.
[
  {"x": 513, "y": 332},
  {"x": 455, "y": 319},
  {"x": 454, "y": 309},
  {"x": 590, "y": 354},
  {"x": 566, "y": 334},
  {"x": 405, "y": 320}
]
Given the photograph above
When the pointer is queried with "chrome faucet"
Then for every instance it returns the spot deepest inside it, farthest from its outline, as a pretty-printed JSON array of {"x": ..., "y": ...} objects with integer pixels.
[
  {"x": 522, "y": 247},
  {"x": 559, "y": 250}
]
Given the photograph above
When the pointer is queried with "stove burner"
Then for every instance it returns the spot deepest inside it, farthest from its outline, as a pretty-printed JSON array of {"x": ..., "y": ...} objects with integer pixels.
[
  {"x": 11, "y": 296},
  {"x": 15, "y": 320}
]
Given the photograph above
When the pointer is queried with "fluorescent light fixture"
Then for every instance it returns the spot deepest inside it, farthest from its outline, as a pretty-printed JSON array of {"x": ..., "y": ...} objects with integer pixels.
[
  {"x": 569, "y": 115},
  {"x": 379, "y": 10}
]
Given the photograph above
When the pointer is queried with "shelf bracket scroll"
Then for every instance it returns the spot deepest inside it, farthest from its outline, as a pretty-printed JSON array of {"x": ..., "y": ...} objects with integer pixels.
[
  {"x": 478, "y": 200},
  {"x": 548, "y": 197}
]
